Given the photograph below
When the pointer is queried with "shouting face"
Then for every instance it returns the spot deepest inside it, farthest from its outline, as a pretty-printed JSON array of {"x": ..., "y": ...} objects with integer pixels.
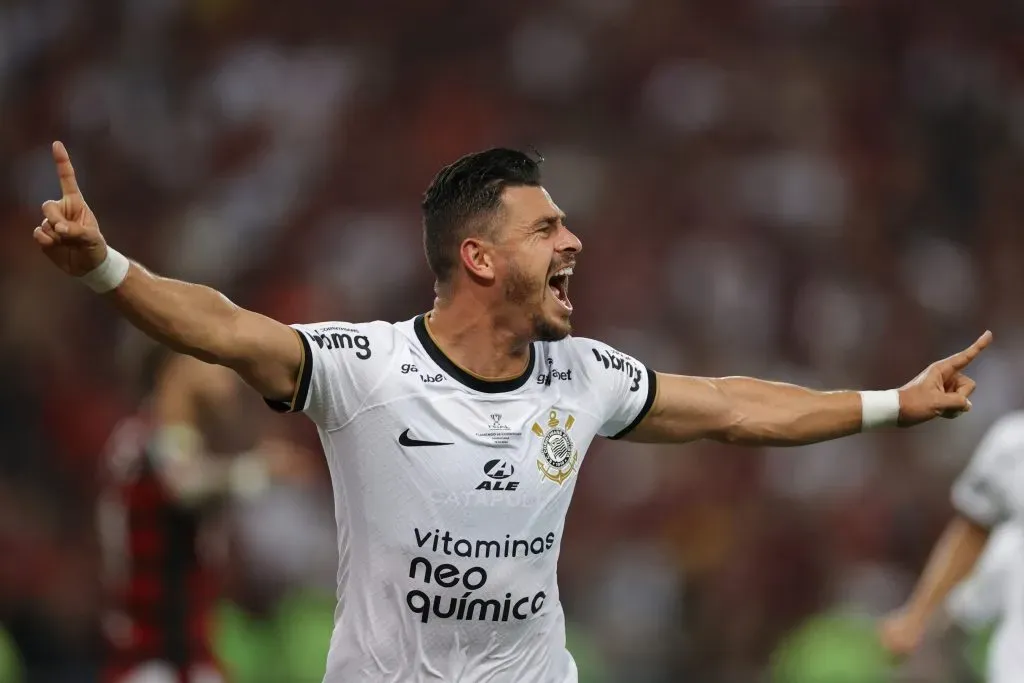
[{"x": 534, "y": 256}]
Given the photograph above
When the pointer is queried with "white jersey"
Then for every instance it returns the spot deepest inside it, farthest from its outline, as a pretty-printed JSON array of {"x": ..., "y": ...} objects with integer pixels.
[
  {"x": 991, "y": 492},
  {"x": 994, "y": 594},
  {"x": 451, "y": 494},
  {"x": 991, "y": 489}
]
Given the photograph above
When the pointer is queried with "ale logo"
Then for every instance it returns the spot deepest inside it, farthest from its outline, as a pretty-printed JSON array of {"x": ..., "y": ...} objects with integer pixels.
[{"x": 497, "y": 471}]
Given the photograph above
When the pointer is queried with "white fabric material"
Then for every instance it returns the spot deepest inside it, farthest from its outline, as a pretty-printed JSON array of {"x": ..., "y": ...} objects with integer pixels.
[
  {"x": 879, "y": 409},
  {"x": 108, "y": 275},
  {"x": 982, "y": 598},
  {"x": 994, "y": 593},
  {"x": 448, "y": 553},
  {"x": 161, "y": 672},
  {"x": 990, "y": 490}
]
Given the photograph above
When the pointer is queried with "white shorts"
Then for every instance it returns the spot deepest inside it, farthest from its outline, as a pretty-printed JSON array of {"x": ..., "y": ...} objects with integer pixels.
[
  {"x": 161, "y": 672},
  {"x": 1005, "y": 659}
]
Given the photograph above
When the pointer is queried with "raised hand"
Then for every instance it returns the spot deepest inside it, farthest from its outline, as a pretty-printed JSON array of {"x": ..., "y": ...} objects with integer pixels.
[
  {"x": 942, "y": 390},
  {"x": 69, "y": 234}
]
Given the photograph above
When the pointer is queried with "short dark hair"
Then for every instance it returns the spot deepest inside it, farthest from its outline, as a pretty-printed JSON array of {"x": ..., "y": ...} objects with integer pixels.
[{"x": 455, "y": 204}]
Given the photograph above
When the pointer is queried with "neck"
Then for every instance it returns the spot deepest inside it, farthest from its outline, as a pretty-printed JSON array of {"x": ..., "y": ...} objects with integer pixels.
[{"x": 474, "y": 338}]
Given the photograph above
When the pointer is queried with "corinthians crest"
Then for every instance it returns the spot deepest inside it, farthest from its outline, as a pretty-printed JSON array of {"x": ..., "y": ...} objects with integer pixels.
[{"x": 559, "y": 454}]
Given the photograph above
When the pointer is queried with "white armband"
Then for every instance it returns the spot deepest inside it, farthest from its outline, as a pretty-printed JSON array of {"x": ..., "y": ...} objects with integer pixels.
[
  {"x": 879, "y": 409},
  {"x": 248, "y": 475},
  {"x": 109, "y": 274}
]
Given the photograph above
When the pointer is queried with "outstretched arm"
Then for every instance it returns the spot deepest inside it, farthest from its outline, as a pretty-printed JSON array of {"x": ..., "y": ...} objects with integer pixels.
[
  {"x": 201, "y": 322},
  {"x": 188, "y": 318},
  {"x": 748, "y": 411},
  {"x": 952, "y": 559}
]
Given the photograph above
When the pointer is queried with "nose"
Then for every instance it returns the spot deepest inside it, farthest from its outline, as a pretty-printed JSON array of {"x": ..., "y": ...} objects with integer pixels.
[{"x": 570, "y": 242}]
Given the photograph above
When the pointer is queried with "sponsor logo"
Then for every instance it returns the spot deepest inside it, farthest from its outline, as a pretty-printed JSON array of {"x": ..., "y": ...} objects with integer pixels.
[
  {"x": 344, "y": 340},
  {"x": 406, "y": 440},
  {"x": 616, "y": 361},
  {"x": 554, "y": 373},
  {"x": 558, "y": 451},
  {"x": 472, "y": 580},
  {"x": 409, "y": 368},
  {"x": 497, "y": 471}
]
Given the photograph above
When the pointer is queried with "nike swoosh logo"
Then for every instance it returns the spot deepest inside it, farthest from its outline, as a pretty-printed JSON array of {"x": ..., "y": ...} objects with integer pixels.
[{"x": 407, "y": 440}]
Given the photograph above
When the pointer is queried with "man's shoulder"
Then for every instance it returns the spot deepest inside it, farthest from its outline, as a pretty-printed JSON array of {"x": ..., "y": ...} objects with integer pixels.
[
  {"x": 566, "y": 350},
  {"x": 1007, "y": 431},
  {"x": 365, "y": 340},
  {"x": 589, "y": 359},
  {"x": 587, "y": 350},
  {"x": 1001, "y": 450}
]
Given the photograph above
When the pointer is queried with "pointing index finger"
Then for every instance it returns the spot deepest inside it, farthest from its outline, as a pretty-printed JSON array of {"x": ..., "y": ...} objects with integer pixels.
[
  {"x": 65, "y": 171},
  {"x": 961, "y": 360}
]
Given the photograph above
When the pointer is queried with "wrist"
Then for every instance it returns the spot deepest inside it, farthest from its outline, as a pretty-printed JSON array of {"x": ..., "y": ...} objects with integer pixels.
[
  {"x": 879, "y": 409},
  {"x": 916, "y": 619},
  {"x": 109, "y": 274}
]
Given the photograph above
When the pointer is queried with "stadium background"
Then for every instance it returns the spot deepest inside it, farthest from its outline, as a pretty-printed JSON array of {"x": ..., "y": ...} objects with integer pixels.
[{"x": 825, "y": 192}]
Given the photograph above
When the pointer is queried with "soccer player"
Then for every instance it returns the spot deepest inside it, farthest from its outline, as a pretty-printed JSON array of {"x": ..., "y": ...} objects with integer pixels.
[
  {"x": 162, "y": 470},
  {"x": 991, "y": 597},
  {"x": 454, "y": 439},
  {"x": 989, "y": 493}
]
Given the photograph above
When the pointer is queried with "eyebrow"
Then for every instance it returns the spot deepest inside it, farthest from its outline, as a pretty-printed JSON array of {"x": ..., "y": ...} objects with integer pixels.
[{"x": 548, "y": 219}]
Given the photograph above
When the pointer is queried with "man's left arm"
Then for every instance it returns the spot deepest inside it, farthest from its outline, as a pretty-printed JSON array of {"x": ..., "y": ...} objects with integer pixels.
[{"x": 748, "y": 411}]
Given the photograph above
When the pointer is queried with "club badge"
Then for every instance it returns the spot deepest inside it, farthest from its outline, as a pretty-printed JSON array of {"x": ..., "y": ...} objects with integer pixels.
[{"x": 559, "y": 454}]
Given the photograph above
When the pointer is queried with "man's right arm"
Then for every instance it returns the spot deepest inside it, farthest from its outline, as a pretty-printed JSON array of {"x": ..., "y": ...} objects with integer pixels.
[
  {"x": 188, "y": 318},
  {"x": 202, "y": 322}
]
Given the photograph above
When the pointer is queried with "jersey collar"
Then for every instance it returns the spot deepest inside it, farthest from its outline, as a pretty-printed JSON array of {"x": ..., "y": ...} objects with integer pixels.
[{"x": 461, "y": 375}]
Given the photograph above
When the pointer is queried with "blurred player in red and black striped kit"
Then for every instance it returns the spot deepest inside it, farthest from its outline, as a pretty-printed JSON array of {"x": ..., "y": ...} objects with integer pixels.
[{"x": 166, "y": 468}]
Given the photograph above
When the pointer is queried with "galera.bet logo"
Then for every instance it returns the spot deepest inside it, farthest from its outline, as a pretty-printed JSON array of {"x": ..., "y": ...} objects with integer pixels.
[{"x": 557, "y": 448}]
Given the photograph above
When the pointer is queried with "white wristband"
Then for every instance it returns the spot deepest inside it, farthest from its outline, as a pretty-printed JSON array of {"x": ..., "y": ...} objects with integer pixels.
[
  {"x": 879, "y": 409},
  {"x": 109, "y": 274},
  {"x": 248, "y": 476}
]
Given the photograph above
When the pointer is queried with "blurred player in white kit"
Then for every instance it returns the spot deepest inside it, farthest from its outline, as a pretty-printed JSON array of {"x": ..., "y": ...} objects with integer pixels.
[{"x": 976, "y": 570}]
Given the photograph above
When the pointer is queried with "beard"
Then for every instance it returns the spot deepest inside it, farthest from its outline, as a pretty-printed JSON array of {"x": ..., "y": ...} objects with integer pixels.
[{"x": 523, "y": 291}]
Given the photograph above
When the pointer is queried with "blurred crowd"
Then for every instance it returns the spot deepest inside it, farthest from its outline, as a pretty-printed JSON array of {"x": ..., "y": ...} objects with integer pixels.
[{"x": 822, "y": 192}]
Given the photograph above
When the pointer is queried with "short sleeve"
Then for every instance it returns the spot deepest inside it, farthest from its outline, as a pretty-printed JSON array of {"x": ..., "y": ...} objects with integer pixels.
[
  {"x": 982, "y": 597},
  {"x": 622, "y": 387},
  {"x": 342, "y": 364},
  {"x": 983, "y": 492}
]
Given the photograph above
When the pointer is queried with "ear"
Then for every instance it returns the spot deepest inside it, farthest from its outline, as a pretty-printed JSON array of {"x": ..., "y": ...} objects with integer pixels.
[{"x": 477, "y": 258}]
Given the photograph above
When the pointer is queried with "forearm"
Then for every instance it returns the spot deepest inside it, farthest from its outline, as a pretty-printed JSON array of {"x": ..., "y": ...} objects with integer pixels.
[
  {"x": 188, "y": 318},
  {"x": 777, "y": 414},
  {"x": 953, "y": 558}
]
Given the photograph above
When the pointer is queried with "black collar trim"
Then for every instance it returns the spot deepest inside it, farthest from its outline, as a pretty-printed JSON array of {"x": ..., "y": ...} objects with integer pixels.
[{"x": 463, "y": 377}]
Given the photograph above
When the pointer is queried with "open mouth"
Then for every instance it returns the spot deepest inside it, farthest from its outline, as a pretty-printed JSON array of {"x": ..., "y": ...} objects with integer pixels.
[{"x": 559, "y": 286}]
